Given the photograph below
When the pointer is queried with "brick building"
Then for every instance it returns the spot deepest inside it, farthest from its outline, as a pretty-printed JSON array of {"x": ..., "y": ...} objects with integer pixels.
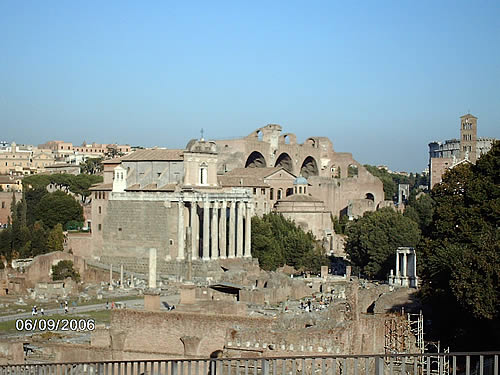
[{"x": 445, "y": 155}]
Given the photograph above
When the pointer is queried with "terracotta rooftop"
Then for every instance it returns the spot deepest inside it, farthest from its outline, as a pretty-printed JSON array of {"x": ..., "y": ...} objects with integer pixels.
[
  {"x": 243, "y": 181},
  {"x": 8, "y": 179},
  {"x": 113, "y": 161},
  {"x": 102, "y": 187},
  {"x": 255, "y": 172},
  {"x": 155, "y": 155},
  {"x": 300, "y": 198}
]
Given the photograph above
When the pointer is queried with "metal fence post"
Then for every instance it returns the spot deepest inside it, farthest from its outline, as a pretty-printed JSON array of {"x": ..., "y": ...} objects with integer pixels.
[
  {"x": 265, "y": 367},
  {"x": 379, "y": 366}
]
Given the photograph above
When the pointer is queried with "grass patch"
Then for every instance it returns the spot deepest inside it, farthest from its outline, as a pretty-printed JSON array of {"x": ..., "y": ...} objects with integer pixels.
[{"x": 13, "y": 309}]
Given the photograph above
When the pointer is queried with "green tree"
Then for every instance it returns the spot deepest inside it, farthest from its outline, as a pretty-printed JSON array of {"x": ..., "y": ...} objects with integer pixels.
[
  {"x": 91, "y": 166},
  {"x": 38, "y": 239},
  {"x": 461, "y": 262},
  {"x": 58, "y": 207},
  {"x": 32, "y": 198},
  {"x": 37, "y": 181},
  {"x": 372, "y": 241},
  {"x": 81, "y": 183},
  {"x": 55, "y": 239},
  {"x": 277, "y": 241},
  {"x": 420, "y": 210},
  {"x": 65, "y": 269},
  {"x": 6, "y": 243}
]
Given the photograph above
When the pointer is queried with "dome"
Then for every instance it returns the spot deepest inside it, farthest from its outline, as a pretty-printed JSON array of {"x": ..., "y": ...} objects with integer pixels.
[{"x": 300, "y": 181}]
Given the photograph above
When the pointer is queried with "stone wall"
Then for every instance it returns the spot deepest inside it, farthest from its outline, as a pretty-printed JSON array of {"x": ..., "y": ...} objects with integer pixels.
[
  {"x": 11, "y": 353},
  {"x": 177, "y": 333},
  {"x": 5, "y": 201},
  {"x": 41, "y": 267},
  {"x": 80, "y": 244},
  {"x": 131, "y": 228}
]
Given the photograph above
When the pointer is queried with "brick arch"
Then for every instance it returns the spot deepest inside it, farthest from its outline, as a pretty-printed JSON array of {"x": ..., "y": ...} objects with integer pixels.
[
  {"x": 285, "y": 161},
  {"x": 309, "y": 167},
  {"x": 256, "y": 160}
]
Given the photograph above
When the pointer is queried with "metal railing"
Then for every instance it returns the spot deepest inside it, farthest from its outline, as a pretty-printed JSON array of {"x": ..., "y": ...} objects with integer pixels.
[{"x": 485, "y": 363}]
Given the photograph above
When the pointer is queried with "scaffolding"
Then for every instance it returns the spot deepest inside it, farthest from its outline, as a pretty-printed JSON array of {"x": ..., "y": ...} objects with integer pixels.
[{"x": 404, "y": 334}]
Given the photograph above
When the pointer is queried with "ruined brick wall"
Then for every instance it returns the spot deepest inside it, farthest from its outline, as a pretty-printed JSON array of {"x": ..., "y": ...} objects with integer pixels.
[
  {"x": 41, "y": 267},
  {"x": 5, "y": 201},
  {"x": 11, "y": 353},
  {"x": 164, "y": 332},
  {"x": 80, "y": 244}
]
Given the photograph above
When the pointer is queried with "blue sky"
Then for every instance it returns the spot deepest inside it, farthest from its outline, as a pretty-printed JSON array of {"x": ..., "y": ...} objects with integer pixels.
[{"x": 381, "y": 79}]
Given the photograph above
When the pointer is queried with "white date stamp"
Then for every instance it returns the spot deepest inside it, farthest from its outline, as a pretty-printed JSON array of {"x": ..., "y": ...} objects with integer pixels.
[{"x": 55, "y": 325}]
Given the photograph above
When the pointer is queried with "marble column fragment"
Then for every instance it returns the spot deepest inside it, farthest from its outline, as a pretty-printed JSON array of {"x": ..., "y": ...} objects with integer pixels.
[
  {"x": 152, "y": 268},
  {"x": 121, "y": 276}
]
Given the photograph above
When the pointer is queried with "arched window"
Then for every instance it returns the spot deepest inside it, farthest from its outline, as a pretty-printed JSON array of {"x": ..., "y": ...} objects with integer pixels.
[
  {"x": 280, "y": 193},
  {"x": 300, "y": 189}
]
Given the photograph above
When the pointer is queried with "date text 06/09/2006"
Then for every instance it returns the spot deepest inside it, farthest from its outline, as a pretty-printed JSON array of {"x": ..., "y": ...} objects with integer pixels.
[{"x": 55, "y": 325}]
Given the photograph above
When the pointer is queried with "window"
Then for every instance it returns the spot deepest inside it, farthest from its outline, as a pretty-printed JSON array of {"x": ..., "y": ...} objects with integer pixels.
[
  {"x": 254, "y": 191},
  {"x": 280, "y": 193},
  {"x": 300, "y": 189},
  {"x": 95, "y": 195},
  {"x": 203, "y": 174},
  {"x": 99, "y": 227},
  {"x": 3, "y": 204},
  {"x": 263, "y": 191},
  {"x": 100, "y": 209},
  {"x": 271, "y": 194}
]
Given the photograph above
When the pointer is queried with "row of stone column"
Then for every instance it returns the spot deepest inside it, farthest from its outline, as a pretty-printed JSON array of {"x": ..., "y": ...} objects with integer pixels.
[
  {"x": 403, "y": 270},
  {"x": 215, "y": 220}
]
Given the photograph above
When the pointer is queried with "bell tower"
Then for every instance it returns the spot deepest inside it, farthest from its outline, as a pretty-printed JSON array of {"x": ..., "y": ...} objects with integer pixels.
[{"x": 468, "y": 137}]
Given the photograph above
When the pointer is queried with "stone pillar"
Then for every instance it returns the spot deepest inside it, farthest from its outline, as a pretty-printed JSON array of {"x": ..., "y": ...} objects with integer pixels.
[
  {"x": 121, "y": 276},
  {"x": 248, "y": 230},
  {"x": 239, "y": 231},
  {"x": 215, "y": 230},
  {"x": 206, "y": 230},
  {"x": 398, "y": 273},
  {"x": 404, "y": 265},
  {"x": 414, "y": 257},
  {"x": 180, "y": 231},
  {"x": 189, "y": 271},
  {"x": 132, "y": 281},
  {"x": 152, "y": 268},
  {"x": 111, "y": 277},
  {"x": 231, "y": 229},
  {"x": 194, "y": 230},
  {"x": 222, "y": 230}
]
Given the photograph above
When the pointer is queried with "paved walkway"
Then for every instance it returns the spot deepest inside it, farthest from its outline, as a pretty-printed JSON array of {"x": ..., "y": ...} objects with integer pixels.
[{"x": 134, "y": 303}]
